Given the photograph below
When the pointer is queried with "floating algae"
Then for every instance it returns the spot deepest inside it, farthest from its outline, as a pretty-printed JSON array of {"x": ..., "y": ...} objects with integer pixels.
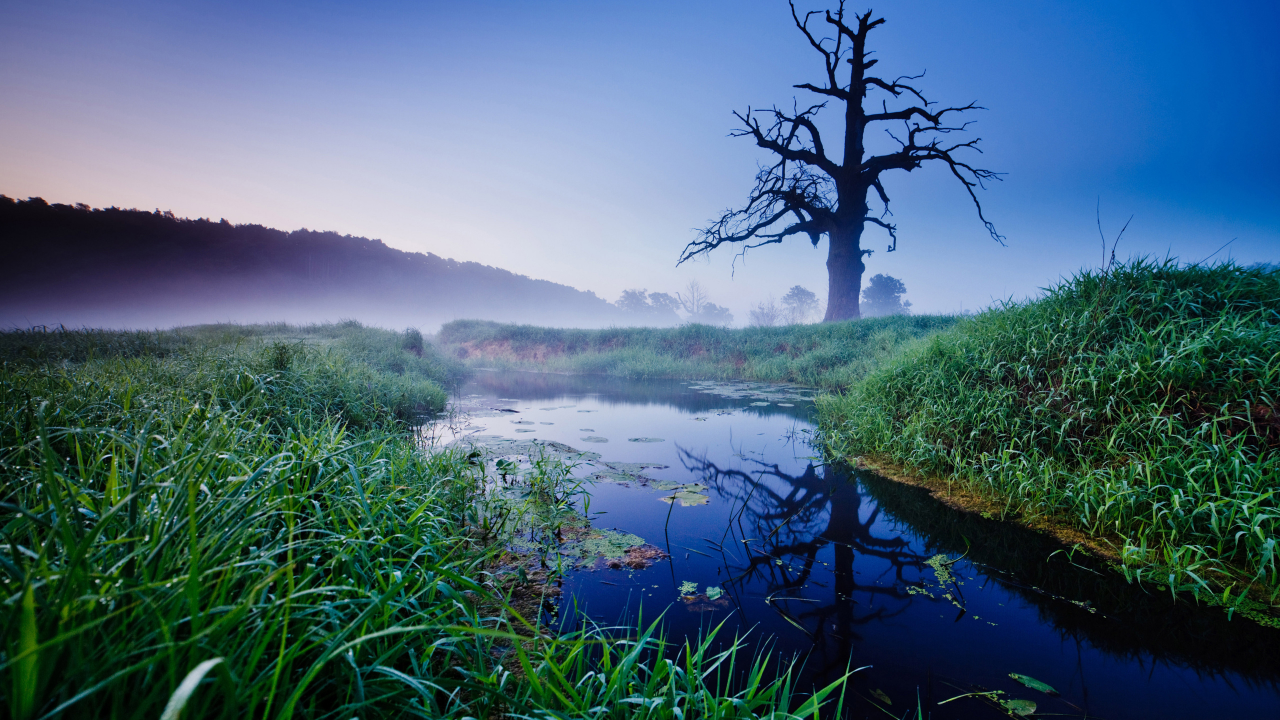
[
  {"x": 770, "y": 392},
  {"x": 948, "y": 584},
  {"x": 597, "y": 544}
]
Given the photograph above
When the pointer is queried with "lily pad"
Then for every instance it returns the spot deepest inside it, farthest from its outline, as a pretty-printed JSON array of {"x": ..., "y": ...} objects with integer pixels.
[
  {"x": 1034, "y": 684},
  {"x": 759, "y": 404},
  {"x": 714, "y": 593},
  {"x": 586, "y": 429},
  {"x": 686, "y": 498},
  {"x": 646, "y": 440},
  {"x": 1019, "y": 707},
  {"x": 521, "y": 422},
  {"x": 546, "y": 423},
  {"x": 594, "y": 439},
  {"x": 524, "y": 430}
]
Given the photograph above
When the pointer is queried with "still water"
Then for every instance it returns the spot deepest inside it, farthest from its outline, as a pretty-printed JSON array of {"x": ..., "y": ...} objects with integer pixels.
[{"x": 843, "y": 568}]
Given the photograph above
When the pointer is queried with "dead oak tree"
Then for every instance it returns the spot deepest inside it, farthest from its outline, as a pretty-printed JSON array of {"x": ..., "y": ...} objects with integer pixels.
[{"x": 809, "y": 192}]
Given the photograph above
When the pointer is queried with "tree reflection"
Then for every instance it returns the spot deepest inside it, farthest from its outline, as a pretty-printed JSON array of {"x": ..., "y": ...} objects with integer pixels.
[{"x": 782, "y": 521}]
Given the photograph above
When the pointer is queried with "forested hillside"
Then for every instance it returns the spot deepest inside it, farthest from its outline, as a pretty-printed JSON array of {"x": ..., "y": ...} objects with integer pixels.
[{"x": 110, "y": 267}]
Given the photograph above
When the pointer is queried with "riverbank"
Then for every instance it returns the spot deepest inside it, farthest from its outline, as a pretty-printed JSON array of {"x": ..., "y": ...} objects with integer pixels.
[
  {"x": 1138, "y": 405},
  {"x": 241, "y": 521},
  {"x": 829, "y": 355}
]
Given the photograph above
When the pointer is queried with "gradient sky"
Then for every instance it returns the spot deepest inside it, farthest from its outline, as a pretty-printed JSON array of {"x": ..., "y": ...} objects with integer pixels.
[{"x": 584, "y": 142}]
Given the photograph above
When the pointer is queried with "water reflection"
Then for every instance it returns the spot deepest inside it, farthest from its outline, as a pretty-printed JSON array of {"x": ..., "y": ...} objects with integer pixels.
[{"x": 841, "y": 566}]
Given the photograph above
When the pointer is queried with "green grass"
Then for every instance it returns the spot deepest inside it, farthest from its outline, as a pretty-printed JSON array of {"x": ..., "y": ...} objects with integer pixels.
[
  {"x": 238, "y": 522},
  {"x": 332, "y": 365},
  {"x": 1139, "y": 405},
  {"x": 828, "y": 355}
]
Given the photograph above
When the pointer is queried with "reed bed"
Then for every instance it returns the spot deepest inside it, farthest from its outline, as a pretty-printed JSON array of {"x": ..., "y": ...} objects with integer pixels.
[
  {"x": 829, "y": 355},
  {"x": 1138, "y": 404},
  {"x": 225, "y": 523}
]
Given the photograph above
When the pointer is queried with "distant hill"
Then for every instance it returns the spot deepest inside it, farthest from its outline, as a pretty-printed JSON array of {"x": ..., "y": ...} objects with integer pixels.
[{"x": 109, "y": 267}]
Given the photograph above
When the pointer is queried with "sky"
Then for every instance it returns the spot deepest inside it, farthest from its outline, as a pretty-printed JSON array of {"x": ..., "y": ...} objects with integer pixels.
[{"x": 586, "y": 142}]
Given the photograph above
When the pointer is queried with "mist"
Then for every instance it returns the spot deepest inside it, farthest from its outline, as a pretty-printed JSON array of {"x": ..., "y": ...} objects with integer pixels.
[{"x": 81, "y": 267}]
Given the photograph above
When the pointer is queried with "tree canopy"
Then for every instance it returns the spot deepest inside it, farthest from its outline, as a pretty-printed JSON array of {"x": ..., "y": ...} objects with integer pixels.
[{"x": 883, "y": 296}]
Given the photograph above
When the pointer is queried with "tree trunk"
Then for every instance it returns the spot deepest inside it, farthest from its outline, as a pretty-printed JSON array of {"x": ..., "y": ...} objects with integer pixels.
[{"x": 844, "y": 274}]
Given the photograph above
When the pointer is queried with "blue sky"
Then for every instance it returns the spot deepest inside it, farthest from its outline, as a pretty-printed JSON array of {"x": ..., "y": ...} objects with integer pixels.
[{"x": 584, "y": 142}]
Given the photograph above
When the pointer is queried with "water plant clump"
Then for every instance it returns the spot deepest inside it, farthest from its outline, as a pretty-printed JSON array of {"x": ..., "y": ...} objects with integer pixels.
[{"x": 1138, "y": 405}]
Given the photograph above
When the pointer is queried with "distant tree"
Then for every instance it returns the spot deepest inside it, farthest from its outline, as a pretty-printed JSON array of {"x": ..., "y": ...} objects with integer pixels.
[
  {"x": 798, "y": 305},
  {"x": 699, "y": 308},
  {"x": 883, "y": 296},
  {"x": 767, "y": 314},
  {"x": 713, "y": 314},
  {"x": 653, "y": 308},
  {"x": 634, "y": 301},
  {"x": 664, "y": 303},
  {"x": 813, "y": 192},
  {"x": 693, "y": 299}
]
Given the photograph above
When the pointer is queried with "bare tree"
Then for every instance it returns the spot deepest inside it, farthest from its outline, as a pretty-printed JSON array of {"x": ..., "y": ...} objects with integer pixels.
[
  {"x": 694, "y": 299},
  {"x": 809, "y": 192},
  {"x": 766, "y": 314}
]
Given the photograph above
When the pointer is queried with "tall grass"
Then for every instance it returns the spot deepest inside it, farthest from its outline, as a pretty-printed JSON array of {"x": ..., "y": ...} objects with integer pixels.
[
  {"x": 827, "y": 355},
  {"x": 196, "y": 529},
  {"x": 1139, "y": 404}
]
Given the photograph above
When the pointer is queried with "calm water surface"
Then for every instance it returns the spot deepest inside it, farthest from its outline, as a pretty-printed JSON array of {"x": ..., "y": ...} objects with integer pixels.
[{"x": 841, "y": 567}]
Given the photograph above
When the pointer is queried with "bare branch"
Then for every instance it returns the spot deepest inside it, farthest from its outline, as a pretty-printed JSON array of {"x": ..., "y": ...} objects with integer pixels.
[
  {"x": 782, "y": 139},
  {"x": 893, "y": 231}
]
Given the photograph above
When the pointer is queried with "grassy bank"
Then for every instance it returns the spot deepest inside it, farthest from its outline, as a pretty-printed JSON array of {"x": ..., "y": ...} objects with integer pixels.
[
  {"x": 1141, "y": 406},
  {"x": 827, "y": 355},
  {"x": 238, "y": 522}
]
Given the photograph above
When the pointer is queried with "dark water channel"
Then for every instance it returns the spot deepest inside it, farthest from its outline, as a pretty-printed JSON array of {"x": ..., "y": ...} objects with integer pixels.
[{"x": 842, "y": 567}]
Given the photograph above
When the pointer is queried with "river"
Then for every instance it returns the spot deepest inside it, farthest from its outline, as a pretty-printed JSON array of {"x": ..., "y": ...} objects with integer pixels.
[{"x": 842, "y": 568}]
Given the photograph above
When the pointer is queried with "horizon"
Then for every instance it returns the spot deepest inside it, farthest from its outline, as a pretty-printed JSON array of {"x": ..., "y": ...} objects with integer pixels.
[{"x": 549, "y": 143}]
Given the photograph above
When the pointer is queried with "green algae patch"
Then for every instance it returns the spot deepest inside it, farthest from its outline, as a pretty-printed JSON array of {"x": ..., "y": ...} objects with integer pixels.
[
  {"x": 947, "y": 584},
  {"x": 593, "y": 544}
]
